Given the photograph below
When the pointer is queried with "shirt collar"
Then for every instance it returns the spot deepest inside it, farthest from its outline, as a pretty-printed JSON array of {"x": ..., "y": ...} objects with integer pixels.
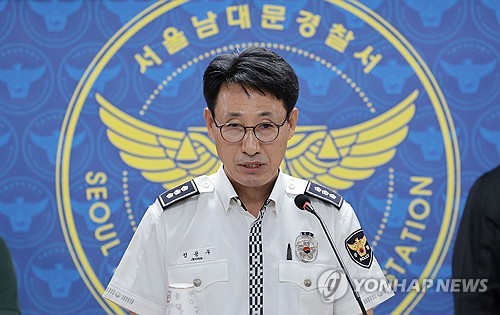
[
  {"x": 278, "y": 191},
  {"x": 226, "y": 192},
  {"x": 223, "y": 187}
]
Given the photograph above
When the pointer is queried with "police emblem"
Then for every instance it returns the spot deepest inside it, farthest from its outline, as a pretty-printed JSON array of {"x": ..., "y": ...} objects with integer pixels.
[
  {"x": 358, "y": 248},
  {"x": 306, "y": 247}
]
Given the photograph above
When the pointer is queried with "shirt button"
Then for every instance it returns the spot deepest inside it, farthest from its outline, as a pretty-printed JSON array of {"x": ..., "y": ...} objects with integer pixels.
[
  {"x": 197, "y": 282},
  {"x": 291, "y": 186},
  {"x": 307, "y": 282},
  {"x": 205, "y": 184}
]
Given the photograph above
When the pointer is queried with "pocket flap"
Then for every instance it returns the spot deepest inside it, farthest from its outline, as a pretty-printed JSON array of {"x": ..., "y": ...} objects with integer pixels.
[
  {"x": 301, "y": 274},
  {"x": 201, "y": 275}
]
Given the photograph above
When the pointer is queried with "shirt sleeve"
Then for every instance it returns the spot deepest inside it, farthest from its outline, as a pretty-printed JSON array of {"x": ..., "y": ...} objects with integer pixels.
[
  {"x": 139, "y": 283},
  {"x": 362, "y": 266}
]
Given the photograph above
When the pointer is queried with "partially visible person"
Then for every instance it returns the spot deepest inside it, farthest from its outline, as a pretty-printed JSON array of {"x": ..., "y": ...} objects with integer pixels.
[
  {"x": 9, "y": 304},
  {"x": 476, "y": 254}
]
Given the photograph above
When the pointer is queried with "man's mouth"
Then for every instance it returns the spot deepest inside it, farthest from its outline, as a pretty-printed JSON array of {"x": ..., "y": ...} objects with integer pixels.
[{"x": 252, "y": 165}]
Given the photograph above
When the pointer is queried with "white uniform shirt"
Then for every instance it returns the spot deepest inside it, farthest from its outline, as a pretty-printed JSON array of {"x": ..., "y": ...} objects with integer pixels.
[{"x": 203, "y": 239}]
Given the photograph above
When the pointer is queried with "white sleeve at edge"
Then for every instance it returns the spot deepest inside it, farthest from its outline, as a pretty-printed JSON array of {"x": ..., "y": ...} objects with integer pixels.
[
  {"x": 131, "y": 302},
  {"x": 139, "y": 282},
  {"x": 348, "y": 304}
]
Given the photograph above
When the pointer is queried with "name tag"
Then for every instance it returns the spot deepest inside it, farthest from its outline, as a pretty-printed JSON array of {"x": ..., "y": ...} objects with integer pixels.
[{"x": 195, "y": 255}]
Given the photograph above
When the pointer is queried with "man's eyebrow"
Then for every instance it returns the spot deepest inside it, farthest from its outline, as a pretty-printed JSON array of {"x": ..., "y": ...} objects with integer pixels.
[
  {"x": 265, "y": 114},
  {"x": 232, "y": 115},
  {"x": 238, "y": 114}
]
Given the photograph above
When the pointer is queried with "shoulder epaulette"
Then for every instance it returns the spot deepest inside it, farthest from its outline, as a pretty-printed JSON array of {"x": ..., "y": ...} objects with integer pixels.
[
  {"x": 325, "y": 194},
  {"x": 178, "y": 193}
]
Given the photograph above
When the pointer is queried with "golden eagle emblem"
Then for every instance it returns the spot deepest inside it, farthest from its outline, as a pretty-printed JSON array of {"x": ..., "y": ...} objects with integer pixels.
[
  {"x": 333, "y": 158},
  {"x": 359, "y": 246}
]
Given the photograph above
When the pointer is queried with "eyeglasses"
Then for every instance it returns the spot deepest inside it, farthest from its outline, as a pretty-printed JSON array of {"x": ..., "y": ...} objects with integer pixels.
[{"x": 264, "y": 132}]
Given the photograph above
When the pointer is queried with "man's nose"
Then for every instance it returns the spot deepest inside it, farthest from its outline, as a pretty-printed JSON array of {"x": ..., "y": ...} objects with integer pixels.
[{"x": 250, "y": 144}]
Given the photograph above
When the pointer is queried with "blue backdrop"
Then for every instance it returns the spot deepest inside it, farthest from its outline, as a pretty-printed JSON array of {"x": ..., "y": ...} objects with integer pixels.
[{"x": 101, "y": 109}]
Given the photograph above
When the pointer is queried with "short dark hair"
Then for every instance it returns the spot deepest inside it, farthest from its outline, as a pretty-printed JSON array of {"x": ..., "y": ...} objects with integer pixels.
[{"x": 254, "y": 67}]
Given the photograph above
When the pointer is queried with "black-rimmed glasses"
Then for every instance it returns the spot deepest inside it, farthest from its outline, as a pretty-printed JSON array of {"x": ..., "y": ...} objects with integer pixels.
[{"x": 264, "y": 132}]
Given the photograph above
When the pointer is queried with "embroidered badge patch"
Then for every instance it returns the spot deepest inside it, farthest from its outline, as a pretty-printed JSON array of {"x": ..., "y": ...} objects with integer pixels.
[
  {"x": 358, "y": 248},
  {"x": 306, "y": 247}
]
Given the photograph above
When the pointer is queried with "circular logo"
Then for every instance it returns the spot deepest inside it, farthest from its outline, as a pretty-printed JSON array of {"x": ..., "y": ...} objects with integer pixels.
[
  {"x": 40, "y": 143},
  {"x": 332, "y": 88},
  {"x": 25, "y": 211},
  {"x": 175, "y": 89},
  {"x": 430, "y": 21},
  {"x": 52, "y": 281},
  {"x": 386, "y": 200},
  {"x": 26, "y": 79},
  {"x": 468, "y": 69},
  {"x": 390, "y": 80},
  {"x": 55, "y": 24},
  {"x": 111, "y": 16},
  {"x": 425, "y": 149},
  {"x": 486, "y": 133},
  {"x": 485, "y": 16},
  {"x": 351, "y": 139},
  {"x": 73, "y": 66}
]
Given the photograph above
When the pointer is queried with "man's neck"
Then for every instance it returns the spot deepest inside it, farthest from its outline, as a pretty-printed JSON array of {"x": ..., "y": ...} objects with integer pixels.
[{"x": 253, "y": 198}]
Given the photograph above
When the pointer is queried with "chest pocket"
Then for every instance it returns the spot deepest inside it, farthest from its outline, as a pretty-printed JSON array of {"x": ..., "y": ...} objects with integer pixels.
[
  {"x": 300, "y": 281},
  {"x": 210, "y": 280}
]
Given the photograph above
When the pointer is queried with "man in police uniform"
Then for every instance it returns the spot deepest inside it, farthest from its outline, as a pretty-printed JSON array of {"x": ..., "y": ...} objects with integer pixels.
[{"x": 237, "y": 234}]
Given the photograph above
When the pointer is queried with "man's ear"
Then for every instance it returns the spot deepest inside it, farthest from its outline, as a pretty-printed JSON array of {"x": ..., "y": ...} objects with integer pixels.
[
  {"x": 209, "y": 122},
  {"x": 292, "y": 122}
]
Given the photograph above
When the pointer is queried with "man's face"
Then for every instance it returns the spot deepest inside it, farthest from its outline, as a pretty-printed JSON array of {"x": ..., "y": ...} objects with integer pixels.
[{"x": 249, "y": 162}]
